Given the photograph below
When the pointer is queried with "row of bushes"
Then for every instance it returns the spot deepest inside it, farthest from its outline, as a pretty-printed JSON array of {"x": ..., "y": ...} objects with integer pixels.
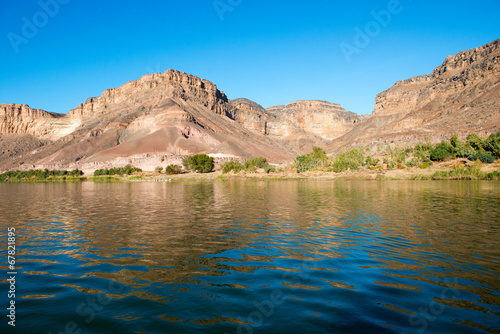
[
  {"x": 474, "y": 148},
  {"x": 250, "y": 165},
  {"x": 170, "y": 169},
  {"x": 421, "y": 155},
  {"x": 127, "y": 170},
  {"x": 472, "y": 172},
  {"x": 38, "y": 174},
  {"x": 317, "y": 159}
]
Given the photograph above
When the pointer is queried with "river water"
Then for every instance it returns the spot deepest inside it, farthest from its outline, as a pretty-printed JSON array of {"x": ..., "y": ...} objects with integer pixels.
[{"x": 253, "y": 256}]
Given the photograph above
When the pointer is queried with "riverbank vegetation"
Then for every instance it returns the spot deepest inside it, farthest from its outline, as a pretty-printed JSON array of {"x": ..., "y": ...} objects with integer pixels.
[
  {"x": 422, "y": 155},
  {"x": 250, "y": 165},
  {"x": 453, "y": 159},
  {"x": 39, "y": 175},
  {"x": 200, "y": 163},
  {"x": 127, "y": 170}
]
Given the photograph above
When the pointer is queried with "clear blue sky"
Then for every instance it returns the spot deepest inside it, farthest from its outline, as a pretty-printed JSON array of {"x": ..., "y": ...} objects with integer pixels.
[{"x": 272, "y": 52}]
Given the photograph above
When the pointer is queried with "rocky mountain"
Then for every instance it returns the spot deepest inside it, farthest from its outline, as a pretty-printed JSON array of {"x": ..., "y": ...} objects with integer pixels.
[
  {"x": 162, "y": 116},
  {"x": 167, "y": 114},
  {"x": 460, "y": 96}
]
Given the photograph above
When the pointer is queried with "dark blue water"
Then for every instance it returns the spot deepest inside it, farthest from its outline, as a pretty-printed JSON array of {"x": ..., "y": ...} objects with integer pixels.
[{"x": 253, "y": 257}]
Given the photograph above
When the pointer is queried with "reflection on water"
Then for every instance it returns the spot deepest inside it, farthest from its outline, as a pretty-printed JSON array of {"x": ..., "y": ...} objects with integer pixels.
[{"x": 255, "y": 257}]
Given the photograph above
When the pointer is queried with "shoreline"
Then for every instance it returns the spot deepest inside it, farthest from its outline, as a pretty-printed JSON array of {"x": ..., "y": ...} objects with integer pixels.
[{"x": 448, "y": 170}]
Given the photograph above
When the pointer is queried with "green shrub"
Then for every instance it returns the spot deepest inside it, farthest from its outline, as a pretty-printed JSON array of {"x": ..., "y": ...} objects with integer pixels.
[
  {"x": 439, "y": 154},
  {"x": 349, "y": 159},
  {"x": 493, "y": 144},
  {"x": 421, "y": 151},
  {"x": 441, "y": 151},
  {"x": 200, "y": 163},
  {"x": 341, "y": 164},
  {"x": 476, "y": 142},
  {"x": 232, "y": 165},
  {"x": 424, "y": 165},
  {"x": 37, "y": 174},
  {"x": 303, "y": 163},
  {"x": 371, "y": 162},
  {"x": 401, "y": 157},
  {"x": 317, "y": 158},
  {"x": 270, "y": 168},
  {"x": 483, "y": 157},
  {"x": 462, "y": 150},
  {"x": 254, "y": 163},
  {"x": 455, "y": 141},
  {"x": 159, "y": 169},
  {"x": 128, "y": 169},
  {"x": 411, "y": 163},
  {"x": 173, "y": 169}
]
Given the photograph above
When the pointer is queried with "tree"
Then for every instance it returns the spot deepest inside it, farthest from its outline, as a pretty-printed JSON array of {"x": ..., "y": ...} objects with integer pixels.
[{"x": 200, "y": 162}]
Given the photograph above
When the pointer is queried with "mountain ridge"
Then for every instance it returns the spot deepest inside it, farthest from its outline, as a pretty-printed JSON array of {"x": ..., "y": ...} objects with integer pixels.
[{"x": 165, "y": 116}]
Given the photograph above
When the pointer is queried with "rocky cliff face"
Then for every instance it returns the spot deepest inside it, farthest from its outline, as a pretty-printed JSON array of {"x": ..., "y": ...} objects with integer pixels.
[
  {"x": 461, "y": 79},
  {"x": 320, "y": 118},
  {"x": 300, "y": 125},
  {"x": 152, "y": 89},
  {"x": 460, "y": 96},
  {"x": 21, "y": 119}
]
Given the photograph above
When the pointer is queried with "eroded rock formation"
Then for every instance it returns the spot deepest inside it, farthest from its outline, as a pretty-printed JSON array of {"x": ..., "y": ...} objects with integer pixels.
[
  {"x": 460, "y": 96},
  {"x": 173, "y": 114}
]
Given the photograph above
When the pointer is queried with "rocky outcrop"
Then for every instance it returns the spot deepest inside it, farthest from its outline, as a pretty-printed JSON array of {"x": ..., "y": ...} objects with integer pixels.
[
  {"x": 460, "y": 96},
  {"x": 151, "y": 89},
  {"x": 299, "y": 125},
  {"x": 21, "y": 119},
  {"x": 252, "y": 115},
  {"x": 461, "y": 79},
  {"x": 323, "y": 119}
]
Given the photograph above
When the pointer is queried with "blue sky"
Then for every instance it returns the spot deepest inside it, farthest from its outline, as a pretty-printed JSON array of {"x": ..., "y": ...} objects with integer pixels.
[{"x": 272, "y": 52}]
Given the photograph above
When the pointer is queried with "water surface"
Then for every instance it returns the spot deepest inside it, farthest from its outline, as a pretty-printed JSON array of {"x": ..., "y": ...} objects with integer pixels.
[{"x": 254, "y": 257}]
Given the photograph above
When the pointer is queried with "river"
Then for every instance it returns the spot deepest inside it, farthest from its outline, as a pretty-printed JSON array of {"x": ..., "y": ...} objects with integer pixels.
[{"x": 252, "y": 256}]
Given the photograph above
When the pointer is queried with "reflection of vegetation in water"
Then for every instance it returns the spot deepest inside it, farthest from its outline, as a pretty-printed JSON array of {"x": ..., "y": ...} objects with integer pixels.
[
  {"x": 162, "y": 239},
  {"x": 201, "y": 195}
]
